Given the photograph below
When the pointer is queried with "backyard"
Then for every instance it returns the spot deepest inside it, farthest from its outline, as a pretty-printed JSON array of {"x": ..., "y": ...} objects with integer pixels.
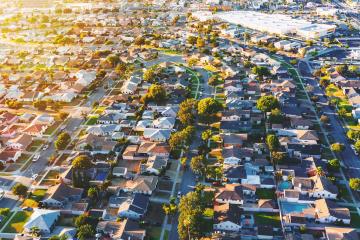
[{"x": 268, "y": 219}]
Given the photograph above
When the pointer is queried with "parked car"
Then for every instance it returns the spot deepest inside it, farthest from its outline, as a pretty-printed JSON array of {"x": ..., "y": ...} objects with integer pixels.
[
  {"x": 36, "y": 157},
  {"x": 33, "y": 177},
  {"x": 353, "y": 148},
  {"x": 179, "y": 194},
  {"x": 46, "y": 146}
]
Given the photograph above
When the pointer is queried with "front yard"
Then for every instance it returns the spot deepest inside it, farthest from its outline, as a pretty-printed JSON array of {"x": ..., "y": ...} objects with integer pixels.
[{"x": 17, "y": 222}]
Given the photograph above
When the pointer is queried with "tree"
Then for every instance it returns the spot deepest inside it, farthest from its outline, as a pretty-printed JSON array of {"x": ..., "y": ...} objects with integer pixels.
[
  {"x": 272, "y": 142},
  {"x": 121, "y": 69},
  {"x": 62, "y": 141},
  {"x": 353, "y": 134},
  {"x": 170, "y": 209},
  {"x": 183, "y": 161},
  {"x": 35, "y": 231},
  {"x": 139, "y": 41},
  {"x": 324, "y": 119},
  {"x": 276, "y": 116},
  {"x": 156, "y": 93},
  {"x": 324, "y": 82},
  {"x": 13, "y": 104},
  {"x": 20, "y": 190},
  {"x": 212, "y": 81},
  {"x": 180, "y": 138},
  {"x": 40, "y": 105},
  {"x": 192, "y": 61},
  {"x": 278, "y": 157},
  {"x": 267, "y": 103},
  {"x": 191, "y": 207},
  {"x": 342, "y": 112},
  {"x": 320, "y": 171},
  {"x": 261, "y": 71},
  {"x": 192, "y": 40},
  {"x": 354, "y": 184},
  {"x": 334, "y": 164},
  {"x": 82, "y": 162},
  {"x": 198, "y": 164},
  {"x": 149, "y": 74},
  {"x": 206, "y": 135},
  {"x": 63, "y": 115},
  {"x": 93, "y": 193},
  {"x": 85, "y": 232},
  {"x": 208, "y": 106},
  {"x": 357, "y": 146},
  {"x": 337, "y": 147},
  {"x": 200, "y": 43},
  {"x": 186, "y": 113}
]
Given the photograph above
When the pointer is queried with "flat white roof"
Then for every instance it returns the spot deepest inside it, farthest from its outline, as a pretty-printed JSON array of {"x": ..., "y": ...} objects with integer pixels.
[{"x": 271, "y": 23}]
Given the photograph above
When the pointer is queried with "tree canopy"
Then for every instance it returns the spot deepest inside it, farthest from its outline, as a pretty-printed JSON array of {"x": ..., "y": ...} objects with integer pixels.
[
  {"x": 272, "y": 142},
  {"x": 267, "y": 103},
  {"x": 20, "y": 190},
  {"x": 209, "y": 106},
  {"x": 62, "y": 141},
  {"x": 354, "y": 184},
  {"x": 187, "y": 111},
  {"x": 82, "y": 162}
]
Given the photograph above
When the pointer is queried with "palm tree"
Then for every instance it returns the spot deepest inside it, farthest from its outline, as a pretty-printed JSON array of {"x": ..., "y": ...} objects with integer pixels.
[
  {"x": 35, "y": 231},
  {"x": 320, "y": 171}
]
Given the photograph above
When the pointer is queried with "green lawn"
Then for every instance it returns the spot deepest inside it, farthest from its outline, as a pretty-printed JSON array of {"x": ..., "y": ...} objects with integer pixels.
[
  {"x": 344, "y": 193},
  {"x": 355, "y": 220},
  {"x": 50, "y": 130},
  {"x": 35, "y": 198},
  {"x": 92, "y": 120},
  {"x": 16, "y": 225},
  {"x": 23, "y": 158},
  {"x": 166, "y": 235},
  {"x": 269, "y": 219},
  {"x": 34, "y": 145},
  {"x": 264, "y": 193},
  {"x": 5, "y": 219},
  {"x": 153, "y": 233}
]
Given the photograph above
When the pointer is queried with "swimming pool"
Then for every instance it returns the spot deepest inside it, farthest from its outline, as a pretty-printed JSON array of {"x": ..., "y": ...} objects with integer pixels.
[
  {"x": 284, "y": 185},
  {"x": 293, "y": 207}
]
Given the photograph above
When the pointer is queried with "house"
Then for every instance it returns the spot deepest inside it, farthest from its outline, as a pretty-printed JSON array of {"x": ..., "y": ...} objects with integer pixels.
[
  {"x": 43, "y": 219},
  {"x": 103, "y": 130},
  {"x": 164, "y": 123},
  {"x": 233, "y": 139},
  {"x": 36, "y": 130},
  {"x": 317, "y": 187},
  {"x": 122, "y": 230},
  {"x": 328, "y": 212},
  {"x": 8, "y": 118},
  {"x": 157, "y": 135},
  {"x": 300, "y": 123},
  {"x": 134, "y": 208},
  {"x": 227, "y": 217},
  {"x": 61, "y": 194},
  {"x": 234, "y": 174},
  {"x": 9, "y": 155},
  {"x": 20, "y": 143},
  {"x": 155, "y": 164},
  {"x": 44, "y": 119},
  {"x": 231, "y": 194},
  {"x": 336, "y": 233},
  {"x": 141, "y": 184}
]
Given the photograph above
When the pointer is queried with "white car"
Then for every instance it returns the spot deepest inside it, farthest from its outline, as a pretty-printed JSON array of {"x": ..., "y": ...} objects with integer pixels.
[
  {"x": 36, "y": 157},
  {"x": 353, "y": 148},
  {"x": 179, "y": 194},
  {"x": 33, "y": 177},
  {"x": 46, "y": 146}
]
